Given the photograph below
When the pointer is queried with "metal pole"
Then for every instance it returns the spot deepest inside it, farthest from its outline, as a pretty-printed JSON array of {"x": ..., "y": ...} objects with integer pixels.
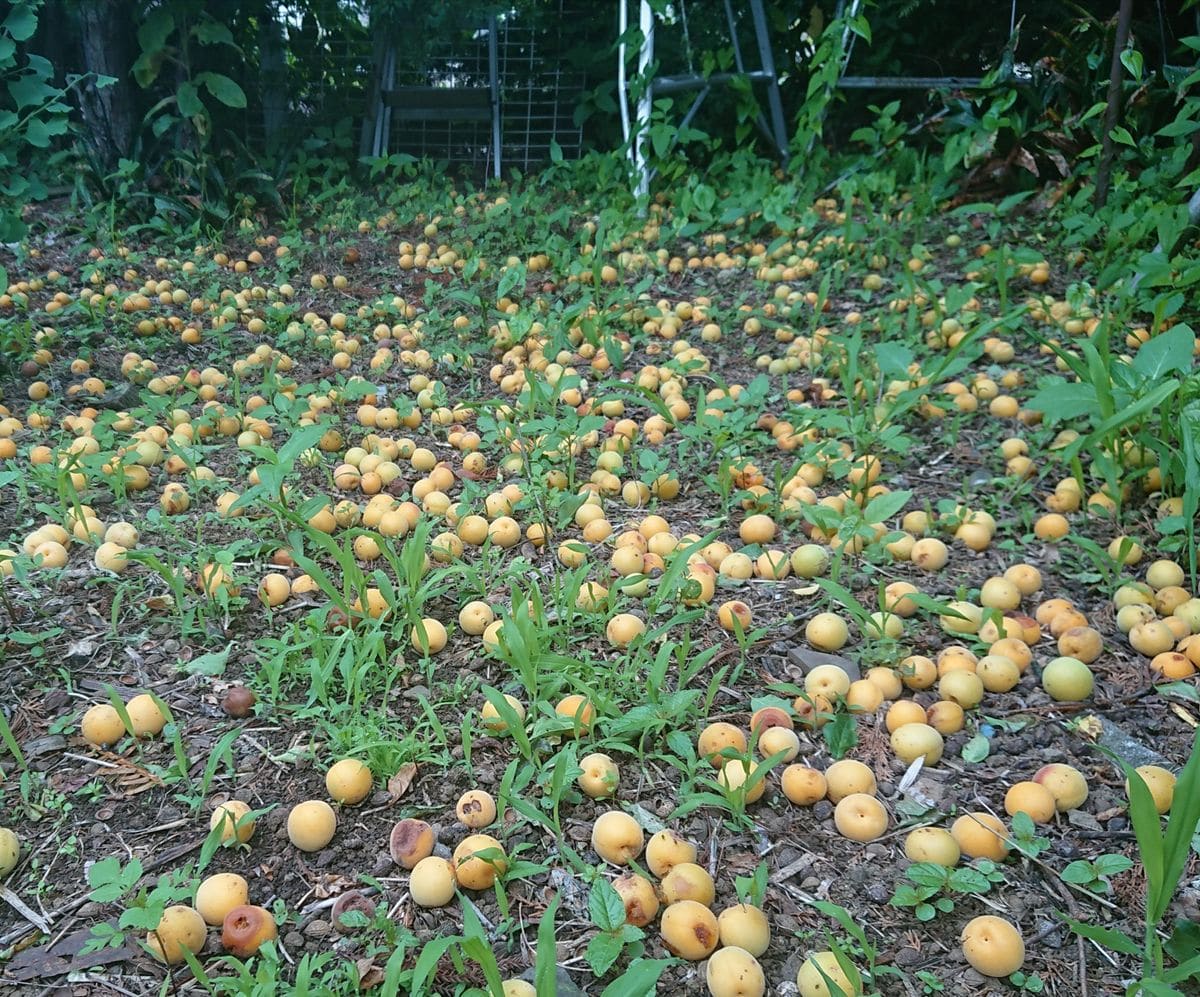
[
  {"x": 645, "y": 58},
  {"x": 494, "y": 84},
  {"x": 767, "y": 58},
  {"x": 383, "y": 120},
  {"x": 733, "y": 37},
  {"x": 740, "y": 64},
  {"x": 622, "y": 85}
]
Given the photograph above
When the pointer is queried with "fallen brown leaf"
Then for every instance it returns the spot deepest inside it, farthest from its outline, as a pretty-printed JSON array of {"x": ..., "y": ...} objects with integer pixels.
[
  {"x": 398, "y": 784},
  {"x": 369, "y": 975}
]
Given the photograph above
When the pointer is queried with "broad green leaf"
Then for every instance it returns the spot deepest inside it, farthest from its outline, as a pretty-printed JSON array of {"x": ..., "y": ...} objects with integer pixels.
[
  {"x": 153, "y": 33},
  {"x": 212, "y": 663},
  {"x": 188, "y": 99},
  {"x": 1118, "y": 941},
  {"x": 605, "y": 906},
  {"x": 639, "y": 980},
  {"x": 223, "y": 88},
  {"x": 1179, "y": 128},
  {"x": 1166, "y": 352},
  {"x": 1188, "y": 970},
  {"x": 976, "y": 749},
  {"x": 603, "y": 950},
  {"x": 1059, "y": 399},
  {"x": 841, "y": 734},
  {"x": 884, "y": 507},
  {"x": 1078, "y": 872},
  {"x": 212, "y": 32},
  {"x": 893, "y": 359}
]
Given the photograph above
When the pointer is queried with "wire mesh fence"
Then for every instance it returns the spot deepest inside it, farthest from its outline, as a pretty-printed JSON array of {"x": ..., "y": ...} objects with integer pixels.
[{"x": 538, "y": 95}]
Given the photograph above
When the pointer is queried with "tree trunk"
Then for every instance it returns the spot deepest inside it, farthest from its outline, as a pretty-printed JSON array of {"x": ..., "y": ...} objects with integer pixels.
[
  {"x": 272, "y": 72},
  {"x": 1113, "y": 111},
  {"x": 106, "y": 39}
]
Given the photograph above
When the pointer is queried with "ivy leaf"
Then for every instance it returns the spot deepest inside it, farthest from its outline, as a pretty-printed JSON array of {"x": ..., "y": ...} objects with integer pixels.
[
  {"x": 1121, "y": 134},
  {"x": 21, "y": 22},
  {"x": 30, "y": 90},
  {"x": 1131, "y": 59}
]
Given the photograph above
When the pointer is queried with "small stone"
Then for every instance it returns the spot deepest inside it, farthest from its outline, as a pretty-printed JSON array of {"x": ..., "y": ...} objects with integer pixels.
[
  {"x": 293, "y": 940},
  {"x": 47, "y": 745},
  {"x": 1067, "y": 849},
  {"x": 1054, "y": 939},
  {"x": 1083, "y": 819},
  {"x": 907, "y": 957},
  {"x": 822, "y": 810}
]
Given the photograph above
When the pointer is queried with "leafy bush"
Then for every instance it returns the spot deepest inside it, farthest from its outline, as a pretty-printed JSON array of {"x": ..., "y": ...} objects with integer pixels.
[{"x": 33, "y": 115}]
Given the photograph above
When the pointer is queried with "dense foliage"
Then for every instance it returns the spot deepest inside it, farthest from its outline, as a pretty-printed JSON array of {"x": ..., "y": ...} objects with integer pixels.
[{"x": 184, "y": 112}]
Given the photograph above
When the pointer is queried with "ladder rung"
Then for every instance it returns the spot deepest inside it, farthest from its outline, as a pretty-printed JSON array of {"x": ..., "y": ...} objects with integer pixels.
[
  {"x": 677, "y": 84},
  {"x": 912, "y": 82}
]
